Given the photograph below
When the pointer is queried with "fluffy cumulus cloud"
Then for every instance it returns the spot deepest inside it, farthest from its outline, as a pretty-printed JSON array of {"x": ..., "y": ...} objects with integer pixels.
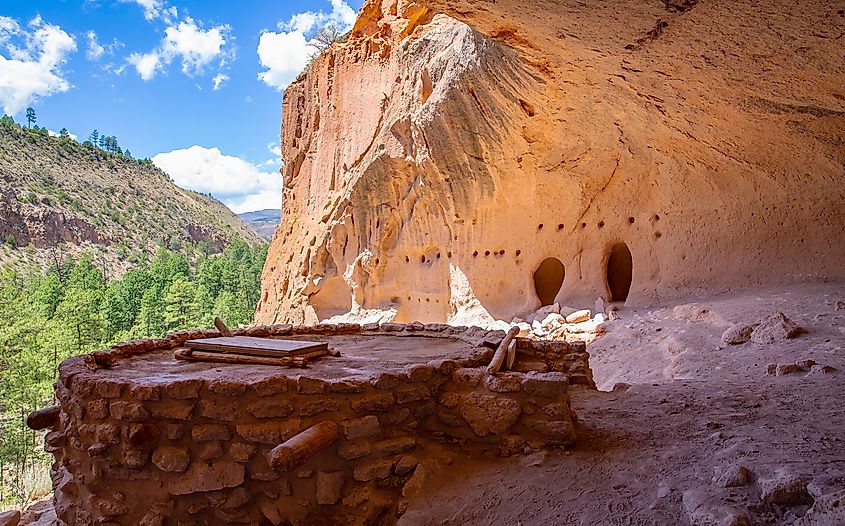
[
  {"x": 196, "y": 47},
  {"x": 242, "y": 186},
  {"x": 286, "y": 53},
  {"x": 154, "y": 9},
  {"x": 31, "y": 61}
]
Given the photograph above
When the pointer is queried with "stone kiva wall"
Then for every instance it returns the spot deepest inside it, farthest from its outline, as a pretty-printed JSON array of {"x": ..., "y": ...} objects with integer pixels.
[{"x": 191, "y": 443}]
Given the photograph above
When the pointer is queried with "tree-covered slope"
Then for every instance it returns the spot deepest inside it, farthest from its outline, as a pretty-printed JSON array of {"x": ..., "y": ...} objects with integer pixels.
[{"x": 58, "y": 194}]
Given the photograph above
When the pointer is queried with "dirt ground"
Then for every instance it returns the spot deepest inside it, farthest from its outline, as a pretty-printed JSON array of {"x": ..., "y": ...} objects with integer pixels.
[{"x": 687, "y": 414}]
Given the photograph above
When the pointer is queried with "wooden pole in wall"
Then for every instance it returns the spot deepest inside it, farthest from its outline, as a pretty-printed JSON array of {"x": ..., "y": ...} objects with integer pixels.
[
  {"x": 502, "y": 351},
  {"x": 296, "y": 451},
  {"x": 224, "y": 330},
  {"x": 511, "y": 355}
]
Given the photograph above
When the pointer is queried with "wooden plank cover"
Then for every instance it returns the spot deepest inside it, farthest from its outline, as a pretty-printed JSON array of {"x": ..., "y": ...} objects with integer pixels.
[{"x": 256, "y": 346}]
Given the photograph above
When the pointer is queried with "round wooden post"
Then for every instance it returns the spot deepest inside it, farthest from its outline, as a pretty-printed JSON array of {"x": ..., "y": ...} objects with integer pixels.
[{"x": 296, "y": 451}]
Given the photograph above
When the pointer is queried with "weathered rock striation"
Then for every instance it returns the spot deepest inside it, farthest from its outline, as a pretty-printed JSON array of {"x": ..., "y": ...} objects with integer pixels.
[{"x": 439, "y": 171}]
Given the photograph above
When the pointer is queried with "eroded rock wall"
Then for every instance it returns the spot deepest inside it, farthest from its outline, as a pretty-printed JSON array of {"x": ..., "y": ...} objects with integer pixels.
[{"x": 432, "y": 167}]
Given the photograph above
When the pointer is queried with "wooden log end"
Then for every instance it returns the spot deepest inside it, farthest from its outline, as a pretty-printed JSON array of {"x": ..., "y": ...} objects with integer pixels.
[
  {"x": 224, "y": 330},
  {"x": 299, "y": 449},
  {"x": 182, "y": 354},
  {"x": 502, "y": 351}
]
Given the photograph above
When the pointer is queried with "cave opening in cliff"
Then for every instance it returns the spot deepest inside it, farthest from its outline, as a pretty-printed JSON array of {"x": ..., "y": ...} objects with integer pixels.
[
  {"x": 548, "y": 279},
  {"x": 620, "y": 272}
]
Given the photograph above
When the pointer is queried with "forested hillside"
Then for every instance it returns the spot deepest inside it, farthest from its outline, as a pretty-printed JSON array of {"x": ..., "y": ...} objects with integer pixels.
[
  {"x": 58, "y": 196},
  {"x": 49, "y": 315}
]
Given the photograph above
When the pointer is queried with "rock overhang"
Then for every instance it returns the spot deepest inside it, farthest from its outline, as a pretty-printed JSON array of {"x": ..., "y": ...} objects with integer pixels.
[{"x": 557, "y": 140}]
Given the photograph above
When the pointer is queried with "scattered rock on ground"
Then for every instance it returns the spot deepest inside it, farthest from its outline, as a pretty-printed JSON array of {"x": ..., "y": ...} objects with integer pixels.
[
  {"x": 783, "y": 369},
  {"x": 542, "y": 312},
  {"x": 775, "y": 327},
  {"x": 553, "y": 320},
  {"x": 693, "y": 312},
  {"x": 524, "y": 329},
  {"x": 10, "y": 518},
  {"x": 40, "y": 513},
  {"x": 535, "y": 459},
  {"x": 736, "y": 334},
  {"x": 822, "y": 369},
  {"x": 579, "y": 316},
  {"x": 704, "y": 509},
  {"x": 734, "y": 476},
  {"x": 828, "y": 510},
  {"x": 600, "y": 306},
  {"x": 785, "y": 489}
]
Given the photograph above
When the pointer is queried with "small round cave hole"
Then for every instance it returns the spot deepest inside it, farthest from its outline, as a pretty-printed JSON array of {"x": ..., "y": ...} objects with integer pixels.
[
  {"x": 548, "y": 279},
  {"x": 620, "y": 271}
]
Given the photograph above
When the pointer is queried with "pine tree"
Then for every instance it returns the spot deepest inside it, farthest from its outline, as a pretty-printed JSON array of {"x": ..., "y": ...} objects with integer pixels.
[
  {"x": 95, "y": 138},
  {"x": 180, "y": 310},
  {"x": 30, "y": 117},
  {"x": 64, "y": 134}
]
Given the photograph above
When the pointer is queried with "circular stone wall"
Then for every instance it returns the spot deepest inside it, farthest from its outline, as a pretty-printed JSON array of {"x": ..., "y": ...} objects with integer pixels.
[{"x": 141, "y": 437}]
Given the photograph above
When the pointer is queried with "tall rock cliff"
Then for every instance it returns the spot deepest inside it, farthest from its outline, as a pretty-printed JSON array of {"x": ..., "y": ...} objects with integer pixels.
[{"x": 454, "y": 161}]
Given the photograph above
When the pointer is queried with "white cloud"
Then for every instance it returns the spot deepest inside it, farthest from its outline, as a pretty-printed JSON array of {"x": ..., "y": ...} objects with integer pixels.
[
  {"x": 33, "y": 66},
  {"x": 219, "y": 80},
  {"x": 275, "y": 149},
  {"x": 146, "y": 64},
  {"x": 51, "y": 133},
  {"x": 196, "y": 47},
  {"x": 285, "y": 54},
  {"x": 96, "y": 50},
  {"x": 154, "y": 9},
  {"x": 242, "y": 186}
]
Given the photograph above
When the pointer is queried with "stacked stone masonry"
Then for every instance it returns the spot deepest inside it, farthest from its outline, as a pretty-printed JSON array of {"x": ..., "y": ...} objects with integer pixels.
[{"x": 178, "y": 448}]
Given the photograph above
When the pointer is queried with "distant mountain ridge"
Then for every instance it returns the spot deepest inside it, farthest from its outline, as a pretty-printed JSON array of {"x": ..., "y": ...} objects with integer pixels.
[
  {"x": 57, "y": 193},
  {"x": 263, "y": 221}
]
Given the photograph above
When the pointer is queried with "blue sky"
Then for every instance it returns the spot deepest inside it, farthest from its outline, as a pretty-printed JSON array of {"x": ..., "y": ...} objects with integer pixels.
[{"x": 196, "y": 84}]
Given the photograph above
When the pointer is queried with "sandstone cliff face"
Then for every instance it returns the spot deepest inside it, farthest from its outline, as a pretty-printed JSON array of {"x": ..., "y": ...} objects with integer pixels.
[{"x": 431, "y": 168}]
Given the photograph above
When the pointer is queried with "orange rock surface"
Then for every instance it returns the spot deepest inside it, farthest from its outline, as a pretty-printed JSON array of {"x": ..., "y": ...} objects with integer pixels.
[{"x": 436, "y": 158}]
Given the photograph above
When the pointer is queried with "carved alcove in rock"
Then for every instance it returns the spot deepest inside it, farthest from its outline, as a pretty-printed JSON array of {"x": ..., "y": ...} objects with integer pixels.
[
  {"x": 548, "y": 279},
  {"x": 620, "y": 271}
]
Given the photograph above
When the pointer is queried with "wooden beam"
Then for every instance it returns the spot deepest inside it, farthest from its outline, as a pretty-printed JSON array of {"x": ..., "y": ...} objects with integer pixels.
[
  {"x": 511, "y": 355},
  {"x": 256, "y": 346},
  {"x": 44, "y": 418},
  {"x": 296, "y": 451},
  {"x": 224, "y": 330},
  {"x": 243, "y": 359},
  {"x": 502, "y": 352}
]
